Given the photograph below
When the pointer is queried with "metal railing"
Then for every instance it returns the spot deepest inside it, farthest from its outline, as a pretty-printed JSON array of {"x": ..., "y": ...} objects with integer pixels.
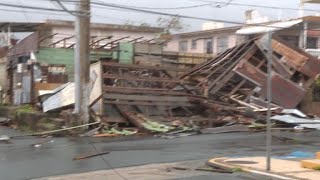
[{"x": 314, "y": 52}]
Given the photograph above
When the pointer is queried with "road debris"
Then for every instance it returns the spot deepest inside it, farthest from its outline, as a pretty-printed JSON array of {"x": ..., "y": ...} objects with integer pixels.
[
  {"x": 4, "y": 138},
  {"x": 41, "y": 143},
  {"x": 80, "y": 157},
  {"x": 294, "y": 121}
]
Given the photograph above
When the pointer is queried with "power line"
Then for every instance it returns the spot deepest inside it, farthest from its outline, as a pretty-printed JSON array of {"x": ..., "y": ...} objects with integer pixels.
[
  {"x": 172, "y": 8},
  {"x": 209, "y": 3},
  {"x": 161, "y": 13},
  {"x": 60, "y": 14},
  {"x": 184, "y": 16},
  {"x": 256, "y": 6},
  {"x": 117, "y": 6},
  {"x": 32, "y": 12},
  {"x": 33, "y": 7},
  {"x": 107, "y": 163},
  {"x": 70, "y": 12},
  {"x": 23, "y": 10}
]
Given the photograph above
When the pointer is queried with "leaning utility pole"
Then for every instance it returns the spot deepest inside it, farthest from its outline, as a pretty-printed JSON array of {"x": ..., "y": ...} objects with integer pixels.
[
  {"x": 269, "y": 100},
  {"x": 82, "y": 61}
]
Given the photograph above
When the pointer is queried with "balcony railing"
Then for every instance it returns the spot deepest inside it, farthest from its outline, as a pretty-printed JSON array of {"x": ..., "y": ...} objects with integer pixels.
[{"x": 314, "y": 52}]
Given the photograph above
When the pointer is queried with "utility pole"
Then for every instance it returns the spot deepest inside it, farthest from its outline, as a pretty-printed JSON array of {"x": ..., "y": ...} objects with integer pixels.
[
  {"x": 269, "y": 97},
  {"x": 82, "y": 61}
]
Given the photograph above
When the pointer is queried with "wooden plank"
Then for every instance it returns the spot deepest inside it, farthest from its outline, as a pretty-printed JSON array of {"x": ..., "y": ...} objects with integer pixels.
[
  {"x": 148, "y": 79},
  {"x": 276, "y": 62},
  {"x": 48, "y": 37},
  {"x": 136, "y": 88},
  {"x": 295, "y": 57},
  {"x": 135, "y": 66},
  {"x": 221, "y": 83},
  {"x": 200, "y": 66},
  {"x": 111, "y": 42},
  {"x": 226, "y": 59},
  {"x": 114, "y": 119},
  {"x": 247, "y": 55},
  {"x": 99, "y": 40},
  {"x": 281, "y": 68},
  {"x": 244, "y": 80},
  {"x": 128, "y": 90},
  {"x": 237, "y": 87},
  {"x": 145, "y": 103},
  {"x": 251, "y": 73},
  {"x": 61, "y": 40},
  {"x": 145, "y": 98}
]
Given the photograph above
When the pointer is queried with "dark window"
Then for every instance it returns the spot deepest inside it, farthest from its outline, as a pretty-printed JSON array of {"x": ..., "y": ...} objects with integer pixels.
[
  {"x": 222, "y": 44},
  {"x": 194, "y": 44},
  {"x": 183, "y": 46},
  {"x": 294, "y": 40},
  {"x": 312, "y": 43},
  {"x": 208, "y": 45}
]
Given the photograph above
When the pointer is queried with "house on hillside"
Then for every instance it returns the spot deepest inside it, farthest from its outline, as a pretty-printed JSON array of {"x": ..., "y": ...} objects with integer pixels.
[{"x": 302, "y": 32}]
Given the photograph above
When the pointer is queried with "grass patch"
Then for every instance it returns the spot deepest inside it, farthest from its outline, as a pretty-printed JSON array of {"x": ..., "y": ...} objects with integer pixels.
[
  {"x": 236, "y": 169},
  {"x": 25, "y": 109},
  {"x": 317, "y": 168},
  {"x": 25, "y": 128},
  {"x": 47, "y": 126}
]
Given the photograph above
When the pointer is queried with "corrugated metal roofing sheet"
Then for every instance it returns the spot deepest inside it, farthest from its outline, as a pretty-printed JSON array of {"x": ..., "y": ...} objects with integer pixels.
[
  {"x": 312, "y": 124},
  {"x": 263, "y": 28}
]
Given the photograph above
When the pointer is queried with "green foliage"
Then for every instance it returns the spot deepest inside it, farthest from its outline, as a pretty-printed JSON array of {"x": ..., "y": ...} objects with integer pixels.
[
  {"x": 316, "y": 90},
  {"x": 25, "y": 128},
  {"x": 236, "y": 170},
  {"x": 25, "y": 109},
  {"x": 317, "y": 168},
  {"x": 317, "y": 82}
]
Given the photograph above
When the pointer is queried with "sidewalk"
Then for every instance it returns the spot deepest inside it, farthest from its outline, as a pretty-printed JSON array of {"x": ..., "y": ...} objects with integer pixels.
[
  {"x": 161, "y": 171},
  {"x": 280, "y": 169}
]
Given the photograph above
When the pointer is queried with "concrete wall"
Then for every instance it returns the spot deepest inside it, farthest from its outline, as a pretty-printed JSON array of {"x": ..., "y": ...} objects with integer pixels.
[{"x": 173, "y": 45}]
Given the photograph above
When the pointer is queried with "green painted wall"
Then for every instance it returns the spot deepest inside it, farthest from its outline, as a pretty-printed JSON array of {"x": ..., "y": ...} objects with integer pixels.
[
  {"x": 66, "y": 57},
  {"x": 126, "y": 53}
]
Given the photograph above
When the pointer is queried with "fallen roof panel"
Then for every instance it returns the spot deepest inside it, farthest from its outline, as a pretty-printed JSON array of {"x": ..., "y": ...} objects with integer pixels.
[
  {"x": 306, "y": 123},
  {"x": 263, "y": 28}
]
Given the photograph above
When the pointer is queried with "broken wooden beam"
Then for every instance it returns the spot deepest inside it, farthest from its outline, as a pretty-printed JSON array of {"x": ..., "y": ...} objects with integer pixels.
[
  {"x": 90, "y": 155},
  {"x": 135, "y": 66},
  {"x": 149, "y": 79}
]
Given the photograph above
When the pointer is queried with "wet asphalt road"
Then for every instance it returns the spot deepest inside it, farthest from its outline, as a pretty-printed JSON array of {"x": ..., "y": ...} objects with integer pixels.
[{"x": 20, "y": 160}]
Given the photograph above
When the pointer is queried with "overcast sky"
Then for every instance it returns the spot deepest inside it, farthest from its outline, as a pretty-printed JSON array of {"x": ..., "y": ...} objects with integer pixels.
[{"x": 116, "y": 16}]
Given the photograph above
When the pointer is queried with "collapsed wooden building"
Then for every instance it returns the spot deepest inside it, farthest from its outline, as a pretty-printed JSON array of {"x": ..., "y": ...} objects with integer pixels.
[
  {"x": 136, "y": 84},
  {"x": 239, "y": 75}
]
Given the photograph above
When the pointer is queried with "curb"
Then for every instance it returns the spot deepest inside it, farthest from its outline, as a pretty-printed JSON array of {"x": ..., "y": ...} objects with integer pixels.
[{"x": 219, "y": 163}]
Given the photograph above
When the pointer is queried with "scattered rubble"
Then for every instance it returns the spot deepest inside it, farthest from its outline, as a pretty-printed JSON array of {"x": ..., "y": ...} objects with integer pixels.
[
  {"x": 89, "y": 156},
  {"x": 224, "y": 94}
]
